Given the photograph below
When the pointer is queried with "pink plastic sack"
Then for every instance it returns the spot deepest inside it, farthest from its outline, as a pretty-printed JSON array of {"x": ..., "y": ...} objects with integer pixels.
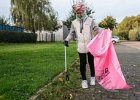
[{"x": 107, "y": 67}]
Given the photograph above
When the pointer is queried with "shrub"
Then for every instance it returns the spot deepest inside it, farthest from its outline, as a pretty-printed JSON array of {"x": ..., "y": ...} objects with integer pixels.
[
  {"x": 123, "y": 35},
  {"x": 17, "y": 37},
  {"x": 138, "y": 36}
]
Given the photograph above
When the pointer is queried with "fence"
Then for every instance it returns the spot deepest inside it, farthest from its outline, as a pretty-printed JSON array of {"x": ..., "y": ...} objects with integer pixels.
[
  {"x": 11, "y": 28},
  {"x": 46, "y": 37}
]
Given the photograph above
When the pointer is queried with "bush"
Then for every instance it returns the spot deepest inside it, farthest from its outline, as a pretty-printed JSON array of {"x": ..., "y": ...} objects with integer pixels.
[
  {"x": 123, "y": 35},
  {"x": 138, "y": 36},
  {"x": 17, "y": 37}
]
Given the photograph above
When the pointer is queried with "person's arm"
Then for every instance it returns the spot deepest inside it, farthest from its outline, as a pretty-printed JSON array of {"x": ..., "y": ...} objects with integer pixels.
[
  {"x": 95, "y": 27},
  {"x": 70, "y": 35}
]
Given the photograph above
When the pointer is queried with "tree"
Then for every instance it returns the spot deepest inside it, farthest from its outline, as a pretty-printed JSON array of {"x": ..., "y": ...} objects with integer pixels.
[
  {"x": 108, "y": 22},
  {"x": 72, "y": 16},
  {"x": 3, "y": 21},
  {"x": 34, "y": 15},
  {"x": 128, "y": 25}
]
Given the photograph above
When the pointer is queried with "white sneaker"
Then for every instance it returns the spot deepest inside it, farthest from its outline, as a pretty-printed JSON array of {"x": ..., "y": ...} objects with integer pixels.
[
  {"x": 92, "y": 81},
  {"x": 84, "y": 84}
]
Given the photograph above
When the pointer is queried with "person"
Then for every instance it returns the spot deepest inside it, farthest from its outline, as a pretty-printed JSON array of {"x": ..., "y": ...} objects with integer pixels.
[{"x": 83, "y": 26}]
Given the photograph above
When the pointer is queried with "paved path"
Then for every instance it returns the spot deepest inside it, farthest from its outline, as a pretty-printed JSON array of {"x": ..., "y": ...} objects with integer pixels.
[
  {"x": 134, "y": 44},
  {"x": 129, "y": 57}
]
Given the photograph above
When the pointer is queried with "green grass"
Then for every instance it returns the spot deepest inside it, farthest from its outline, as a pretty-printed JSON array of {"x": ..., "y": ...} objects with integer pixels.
[
  {"x": 24, "y": 68},
  {"x": 63, "y": 90}
]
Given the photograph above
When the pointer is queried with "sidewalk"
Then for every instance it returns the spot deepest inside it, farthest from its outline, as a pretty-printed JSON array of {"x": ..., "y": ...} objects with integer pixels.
[
  {"x": 130, "y": 63},
  {"x": 133, "y": 44}
]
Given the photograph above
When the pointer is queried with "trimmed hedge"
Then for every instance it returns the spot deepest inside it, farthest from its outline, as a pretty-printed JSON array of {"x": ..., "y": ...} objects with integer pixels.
[{"x": 17, "y": 37}]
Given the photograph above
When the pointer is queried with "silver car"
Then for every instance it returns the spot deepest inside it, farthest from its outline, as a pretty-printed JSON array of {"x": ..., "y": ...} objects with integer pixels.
[{"x": 115, "y": 39}]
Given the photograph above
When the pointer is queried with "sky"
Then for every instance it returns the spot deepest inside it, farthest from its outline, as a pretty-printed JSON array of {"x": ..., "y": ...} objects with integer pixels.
[
  {"x": 116, "y": 8},
  {"x": 5, "y": 8}
]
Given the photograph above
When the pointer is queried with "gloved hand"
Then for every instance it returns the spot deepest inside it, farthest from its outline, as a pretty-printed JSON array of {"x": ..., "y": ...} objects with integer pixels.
[{"x": 66, "y": 43}]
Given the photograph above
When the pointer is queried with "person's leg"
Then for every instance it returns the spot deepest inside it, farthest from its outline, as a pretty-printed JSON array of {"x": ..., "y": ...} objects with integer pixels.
[
  {"x": 92, "y": 71},
  {"x": 91, "y": 64},
  {"x": 82, "y": 57}
]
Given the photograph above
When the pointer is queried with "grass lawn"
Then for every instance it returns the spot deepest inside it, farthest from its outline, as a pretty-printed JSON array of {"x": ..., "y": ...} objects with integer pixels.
[
  {"x": 24, "y": 68},
  {"x": 64, "y": 90}
]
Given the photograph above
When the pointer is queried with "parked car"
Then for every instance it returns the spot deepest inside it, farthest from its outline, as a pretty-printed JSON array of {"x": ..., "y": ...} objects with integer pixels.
[{"x": 115, "y": 39}]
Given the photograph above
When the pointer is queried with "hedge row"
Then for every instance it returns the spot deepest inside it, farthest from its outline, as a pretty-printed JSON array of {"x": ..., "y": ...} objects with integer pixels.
[{"x": 17, "y": 37}]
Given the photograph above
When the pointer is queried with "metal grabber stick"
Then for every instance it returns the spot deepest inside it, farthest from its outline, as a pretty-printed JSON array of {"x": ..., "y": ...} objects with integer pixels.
[{"x": 66, "y": 69}]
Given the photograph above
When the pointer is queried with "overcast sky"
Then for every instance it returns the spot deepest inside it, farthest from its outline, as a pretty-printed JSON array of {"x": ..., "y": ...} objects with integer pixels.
[{"x": 116, "y": 8}]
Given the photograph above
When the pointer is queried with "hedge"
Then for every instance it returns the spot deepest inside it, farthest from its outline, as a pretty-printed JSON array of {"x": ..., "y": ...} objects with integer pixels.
[{"x": 17, "y": 37}]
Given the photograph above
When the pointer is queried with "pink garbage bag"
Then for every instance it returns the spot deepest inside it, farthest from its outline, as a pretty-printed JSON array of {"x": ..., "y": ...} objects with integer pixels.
[{"x": 107, "y": 67}]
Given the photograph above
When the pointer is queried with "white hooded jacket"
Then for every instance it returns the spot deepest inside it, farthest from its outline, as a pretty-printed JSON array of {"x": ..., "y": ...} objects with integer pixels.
[{"x": 85, "y": 36}]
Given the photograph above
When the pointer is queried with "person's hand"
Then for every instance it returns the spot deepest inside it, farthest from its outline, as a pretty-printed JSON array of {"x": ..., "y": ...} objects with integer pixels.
[{"x": 66, "y": 43}]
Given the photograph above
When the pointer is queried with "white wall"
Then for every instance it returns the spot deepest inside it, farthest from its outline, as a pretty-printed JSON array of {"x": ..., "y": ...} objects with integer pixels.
[
  {"x": 46, "y": 36},
  {"x": 59, "y": 33}
]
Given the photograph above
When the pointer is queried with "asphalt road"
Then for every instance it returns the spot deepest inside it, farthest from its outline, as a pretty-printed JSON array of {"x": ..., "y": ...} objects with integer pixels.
[{"x": 129, "y": 58}]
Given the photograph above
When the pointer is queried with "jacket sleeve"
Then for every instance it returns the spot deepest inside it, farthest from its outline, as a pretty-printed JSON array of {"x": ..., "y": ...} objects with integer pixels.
[
  {"x": 95, "y": 27},
  {"x": 70, "y": 35}
]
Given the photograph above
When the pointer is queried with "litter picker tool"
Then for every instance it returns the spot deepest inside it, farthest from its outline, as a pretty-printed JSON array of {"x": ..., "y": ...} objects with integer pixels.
[{"x": 66, "y": 68}]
